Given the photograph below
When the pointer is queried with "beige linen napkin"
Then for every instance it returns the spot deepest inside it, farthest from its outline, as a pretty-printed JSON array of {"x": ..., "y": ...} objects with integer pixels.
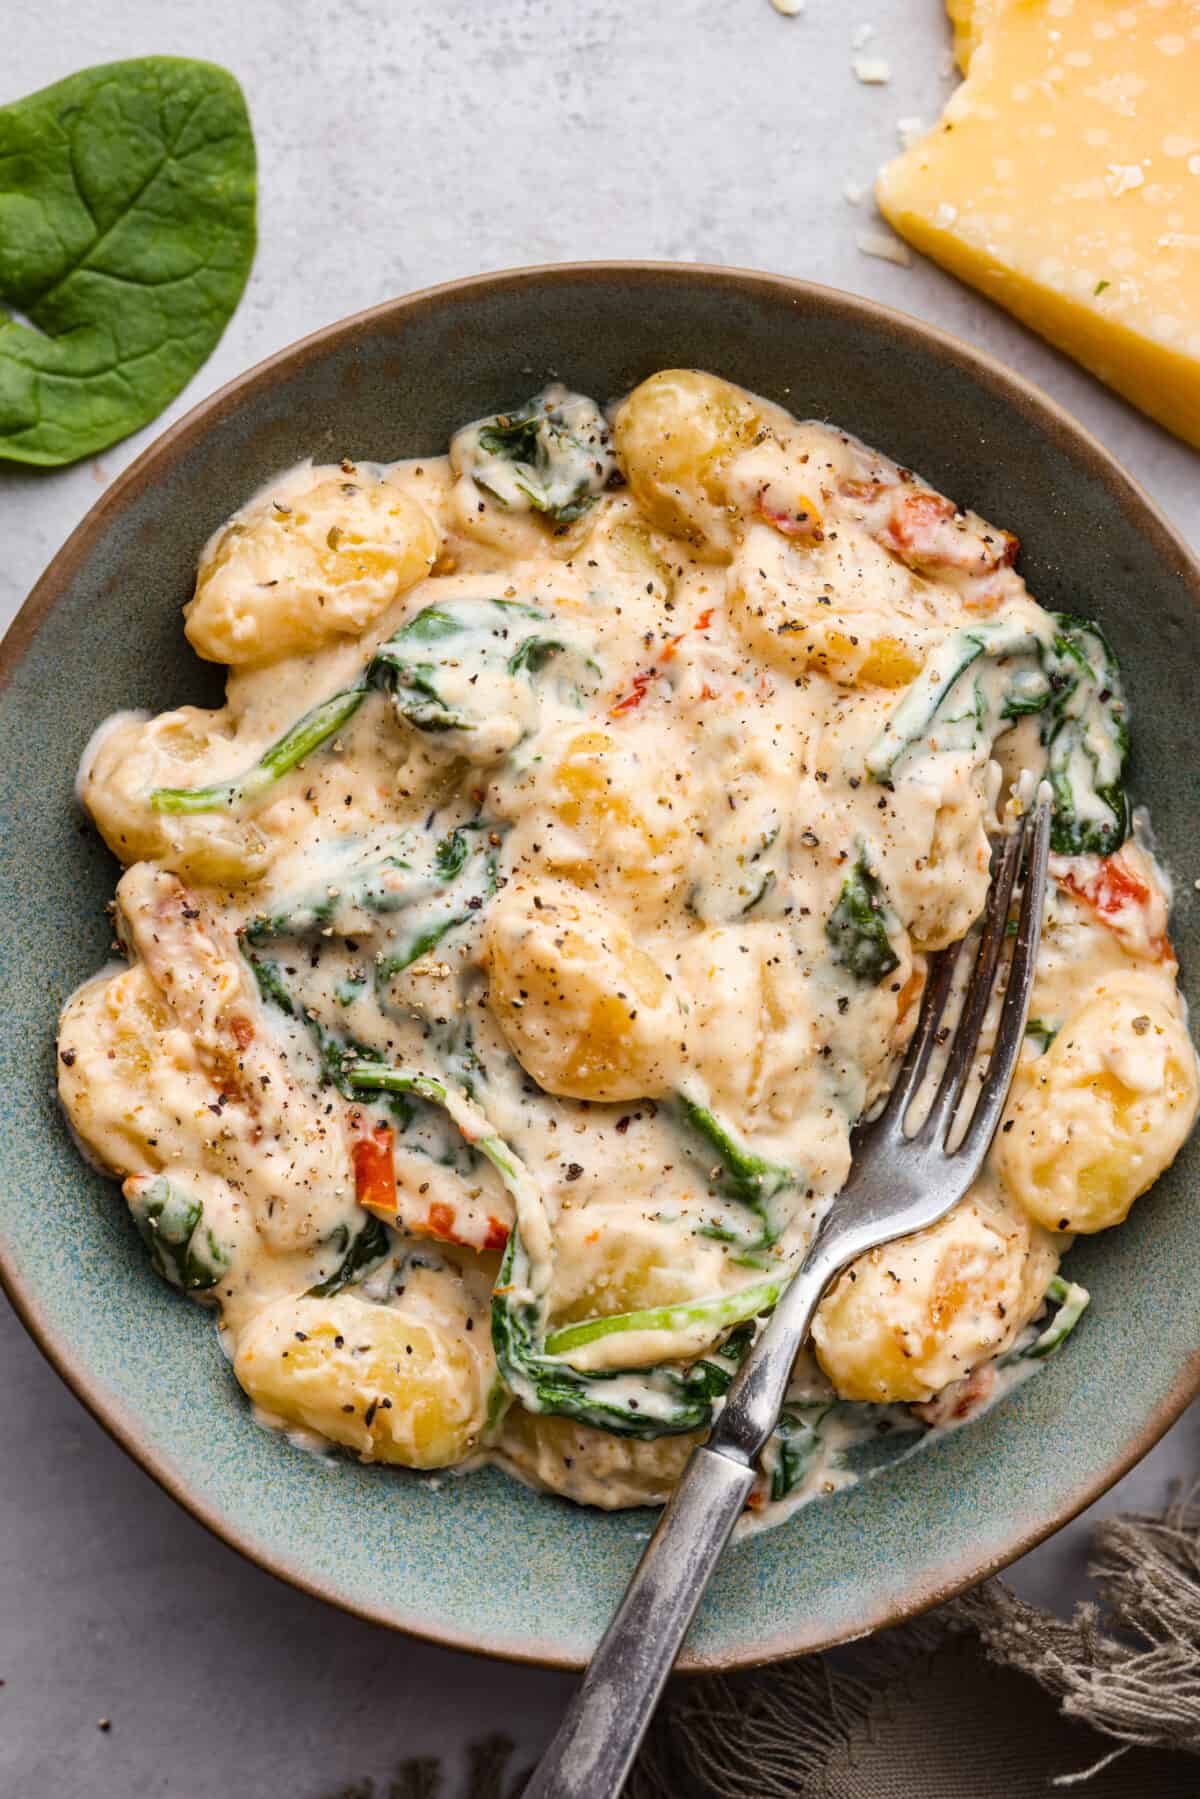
[{"x": 986, "y": 1698}]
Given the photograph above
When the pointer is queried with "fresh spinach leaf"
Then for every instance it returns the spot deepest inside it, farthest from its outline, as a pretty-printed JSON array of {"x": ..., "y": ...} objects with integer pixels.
[{"x": 127, "y": 200}]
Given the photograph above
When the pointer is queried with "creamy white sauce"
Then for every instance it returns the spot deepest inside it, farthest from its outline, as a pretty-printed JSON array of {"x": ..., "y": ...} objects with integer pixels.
[{"x": 659, "y": 768}]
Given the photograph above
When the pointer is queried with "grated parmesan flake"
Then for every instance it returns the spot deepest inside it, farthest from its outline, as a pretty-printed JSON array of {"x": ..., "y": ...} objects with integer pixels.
[
  {"x": 883, "y": 245},
  {"x": 872, "y": 71}
]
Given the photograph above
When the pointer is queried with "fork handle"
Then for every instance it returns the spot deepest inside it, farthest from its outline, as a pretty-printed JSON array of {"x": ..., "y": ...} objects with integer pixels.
[{"x": 596, "y": 1743}]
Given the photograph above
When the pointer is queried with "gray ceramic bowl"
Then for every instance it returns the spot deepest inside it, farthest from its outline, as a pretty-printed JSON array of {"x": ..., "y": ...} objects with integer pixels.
[{"x": 482, "y": 1563}]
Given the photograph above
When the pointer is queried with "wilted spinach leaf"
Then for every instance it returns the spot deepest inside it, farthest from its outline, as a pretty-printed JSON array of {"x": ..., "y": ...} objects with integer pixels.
[
  {"x": 857, "y": 927},
  {"x": 127, "y": 198}
]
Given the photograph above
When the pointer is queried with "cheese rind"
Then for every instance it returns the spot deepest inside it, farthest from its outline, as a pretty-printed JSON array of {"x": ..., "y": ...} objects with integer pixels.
[{"x": 1063, "y": 181}]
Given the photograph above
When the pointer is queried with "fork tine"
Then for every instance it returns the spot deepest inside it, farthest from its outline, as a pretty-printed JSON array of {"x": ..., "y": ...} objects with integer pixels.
[
  {"x": 1014, "y": 1014},
  {"x": 957, "y": 1071},
  {"x": 920, "y": 1046}
]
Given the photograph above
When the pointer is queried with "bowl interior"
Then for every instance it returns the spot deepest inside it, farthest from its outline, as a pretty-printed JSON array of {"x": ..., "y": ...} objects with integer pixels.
[{"x": 480, "y": 1561}]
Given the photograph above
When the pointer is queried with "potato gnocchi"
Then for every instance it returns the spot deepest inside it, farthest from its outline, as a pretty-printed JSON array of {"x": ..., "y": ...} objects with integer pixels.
[{"x": 507, "y": 962}]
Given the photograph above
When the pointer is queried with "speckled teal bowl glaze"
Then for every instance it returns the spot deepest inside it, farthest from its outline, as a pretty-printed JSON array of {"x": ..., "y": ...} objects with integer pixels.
[{"x": 481, "y": 1562}]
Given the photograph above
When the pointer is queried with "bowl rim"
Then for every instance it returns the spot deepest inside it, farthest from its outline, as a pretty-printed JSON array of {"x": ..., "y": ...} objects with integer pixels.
[{"x": 988, "y": 371}]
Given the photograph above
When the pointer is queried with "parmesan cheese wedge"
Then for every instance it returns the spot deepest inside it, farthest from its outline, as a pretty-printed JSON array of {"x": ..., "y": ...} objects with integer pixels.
[
  {"x": 971, "y": 19},
  {"x": 1063, "y": 181}
]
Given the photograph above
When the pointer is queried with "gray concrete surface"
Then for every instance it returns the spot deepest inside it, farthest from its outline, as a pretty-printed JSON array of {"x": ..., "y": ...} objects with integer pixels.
[{"x": 402, "y": 144}]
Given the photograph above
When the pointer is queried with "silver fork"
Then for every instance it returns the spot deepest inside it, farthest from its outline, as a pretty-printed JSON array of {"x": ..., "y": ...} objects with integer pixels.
[{"x": 898, "y": 1184}]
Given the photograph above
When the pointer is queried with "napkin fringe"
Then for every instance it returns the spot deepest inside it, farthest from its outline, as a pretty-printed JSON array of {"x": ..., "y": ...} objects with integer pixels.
[{"x": 1131, "y": 1667}]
